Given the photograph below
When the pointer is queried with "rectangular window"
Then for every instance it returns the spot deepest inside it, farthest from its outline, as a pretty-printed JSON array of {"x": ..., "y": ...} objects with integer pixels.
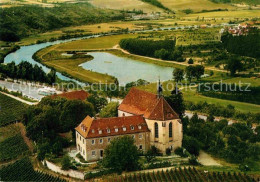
[
  {"x": 108, "y": 140},
  {"x": 101, "y": 140},
  {"x": 140, "y": 136},
  {"x": 83, "y": 141},
  {"x": 140, "y": 147},
  {"x": 93, "y": 142},
  {"x": 83, "y": 152},
  {"x": 93, "y": 152},
  {"x": 80, "y": 138},
  {"x": 77, "y": 135}
]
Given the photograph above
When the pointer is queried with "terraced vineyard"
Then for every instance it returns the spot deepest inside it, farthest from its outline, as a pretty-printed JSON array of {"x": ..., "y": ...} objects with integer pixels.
[
  {"x": 12, "y": 147},
  {"x": 22, "y": 170},
  {"x": 11, "y": 110},
  {"x": 184, "y": 175}
]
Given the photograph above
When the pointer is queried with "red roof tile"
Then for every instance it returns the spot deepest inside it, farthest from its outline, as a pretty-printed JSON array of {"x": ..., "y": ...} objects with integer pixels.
[
  {"x": 140, "y": 102},
  {"x": 100, "y": 127},
  {"x": 74, "y": 95}
]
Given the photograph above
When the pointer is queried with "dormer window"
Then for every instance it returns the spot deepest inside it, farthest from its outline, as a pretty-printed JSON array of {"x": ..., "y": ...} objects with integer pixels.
[
  {"x": 100, "y": 131},
  {"x": 116, "y": 129},
  {"x": 108, "y": 130},
  {"x": 93, "y": 131},
  {"x": 139, "y": 127},
  {"x": 124, "y": 128},
  {"x": 132, "y": 127}
]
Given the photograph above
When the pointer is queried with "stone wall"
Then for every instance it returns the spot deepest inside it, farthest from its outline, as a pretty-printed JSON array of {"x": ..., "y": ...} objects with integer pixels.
[{"x": 71, "y": 173}]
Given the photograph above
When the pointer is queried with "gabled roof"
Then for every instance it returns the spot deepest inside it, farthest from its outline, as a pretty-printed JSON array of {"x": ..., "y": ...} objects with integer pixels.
[
  {"x": 140, "y": 102},
  {"x": 103, "y": 127},
  {"x": 74, "y": 95}
]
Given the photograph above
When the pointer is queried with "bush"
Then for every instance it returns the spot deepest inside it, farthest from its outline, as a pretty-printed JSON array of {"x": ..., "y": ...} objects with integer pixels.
[
  {"x": 168, "y": 151},
  {"x": 193, "y": 160},
  {"x": 66, "y": 163},
  {"x": 190, "y": 61},
  {"x": 181, "y": 152}
]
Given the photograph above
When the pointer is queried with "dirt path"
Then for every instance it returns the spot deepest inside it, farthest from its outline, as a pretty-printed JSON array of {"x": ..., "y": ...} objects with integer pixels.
[
  {"x": 19, "y": 99},
  {"x": 206, "y": 160},
  {"x": 117, "y": 47},
  {"x": 25, "y": 138}
]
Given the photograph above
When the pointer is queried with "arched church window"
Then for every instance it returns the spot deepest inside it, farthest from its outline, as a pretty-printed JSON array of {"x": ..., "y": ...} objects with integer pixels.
[
  {"x": 170, "y": 129},
  {"x": 156, "y": 131}
]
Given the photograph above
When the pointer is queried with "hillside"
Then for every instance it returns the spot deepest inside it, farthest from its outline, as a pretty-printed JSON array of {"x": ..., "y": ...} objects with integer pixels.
[
  {"x": 197, "y": 5},
  {"x": 126, "y": 5}
]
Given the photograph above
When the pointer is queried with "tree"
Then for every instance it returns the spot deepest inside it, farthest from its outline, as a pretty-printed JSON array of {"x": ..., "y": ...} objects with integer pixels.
[
  {"x": 178, "y": 74},
  {"x": 66, "y": 163},
  {"x": 74, "y": 111},
  {"x": 198, "y": 71},
  {"x": 191, "y": 145},
  {"x": 210, "y": 118},
  {"x": 233, "y": 65},
  {"x": 189, "y": 72},
  {"x": 110, "y": 110},
  {"x": 152, "y": 153},
  {"x": 162, "y": 54},
  {"x": 190, "y": 61},
  {"x": 97, "y": 101},
  {"x": 122, "y": 155},
  {"x": 176, "y": 101}
]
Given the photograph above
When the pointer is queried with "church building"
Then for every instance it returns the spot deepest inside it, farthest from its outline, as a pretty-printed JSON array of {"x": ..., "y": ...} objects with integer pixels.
[{"x": 145, "y": 116}]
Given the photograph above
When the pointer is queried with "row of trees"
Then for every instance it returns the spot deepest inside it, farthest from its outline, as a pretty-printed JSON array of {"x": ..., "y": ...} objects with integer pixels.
[
  {"x": 147, "y": 47},
  {"x": 190, "y": 73},
  {"x": 244, "y": 45},
  {"x": 26, "y": 71}
]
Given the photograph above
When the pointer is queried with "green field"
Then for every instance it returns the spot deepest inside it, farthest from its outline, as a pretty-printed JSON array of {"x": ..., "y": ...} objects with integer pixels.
[
  {"x": 70, "y": 65},
  {"x": 11, "y": 110},
  {"x": 194, "y": 5},
  {"x": 105, "y": 42}
]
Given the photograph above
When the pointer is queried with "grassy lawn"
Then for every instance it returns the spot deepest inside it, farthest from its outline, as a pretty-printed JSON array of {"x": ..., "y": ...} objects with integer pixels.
[{"x": 105, "y": 42}]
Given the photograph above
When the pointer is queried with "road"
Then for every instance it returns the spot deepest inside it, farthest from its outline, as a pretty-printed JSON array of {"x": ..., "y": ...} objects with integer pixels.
[{"x": 27, "y": 89}]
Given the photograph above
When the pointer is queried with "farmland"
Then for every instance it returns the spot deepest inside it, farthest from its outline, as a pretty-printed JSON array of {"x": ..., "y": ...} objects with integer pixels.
[
  {"x": 183, "y": 174},
  {"x": 12, "y": 147},
  {"x": 22, "y": 170},
  {"x": 11, "y": 110},
  {"x": 11, "y": 143}
]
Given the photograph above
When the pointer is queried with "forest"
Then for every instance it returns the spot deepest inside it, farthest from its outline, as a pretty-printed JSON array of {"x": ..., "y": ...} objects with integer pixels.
[
  {"x": 20, "y": 22},
  {"x": 163, "y": 49},
  {"x": 26, "y": 71},
  {"x": 246, "y": 45}
]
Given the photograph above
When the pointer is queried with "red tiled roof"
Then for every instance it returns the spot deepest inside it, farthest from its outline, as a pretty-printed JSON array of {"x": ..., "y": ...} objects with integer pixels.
[
  {"x": 140, "y": 102},
  {"x": 74, "y": 95},
  {"x": 90, "y": 128}
]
